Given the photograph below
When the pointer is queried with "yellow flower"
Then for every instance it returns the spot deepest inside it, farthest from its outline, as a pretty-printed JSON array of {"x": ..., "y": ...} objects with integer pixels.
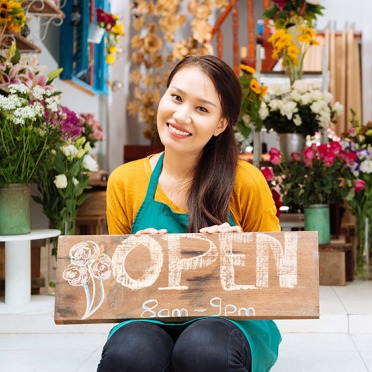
[
  {"x": 248, "y": 69},
  {"x": 255, "y": 86},
  {"x": 110, "y": 59},
  {"x": 118, "y": 29},
  {"x": 112, "y": 50}
]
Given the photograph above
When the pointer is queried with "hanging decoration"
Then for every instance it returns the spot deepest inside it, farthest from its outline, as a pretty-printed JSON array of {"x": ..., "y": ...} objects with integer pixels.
[{"x": 155, "y": 48}]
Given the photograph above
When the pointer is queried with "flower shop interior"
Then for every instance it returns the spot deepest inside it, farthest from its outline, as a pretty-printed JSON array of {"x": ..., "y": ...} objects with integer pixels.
[{"x": 95, "y": 70}]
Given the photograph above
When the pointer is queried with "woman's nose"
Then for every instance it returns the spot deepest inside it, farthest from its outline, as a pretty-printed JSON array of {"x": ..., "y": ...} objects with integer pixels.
[{"x": 182, "y": 115}]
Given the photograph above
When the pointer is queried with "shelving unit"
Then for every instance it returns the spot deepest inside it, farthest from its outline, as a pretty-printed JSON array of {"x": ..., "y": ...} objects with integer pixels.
[{"x": 45, "y": 9}]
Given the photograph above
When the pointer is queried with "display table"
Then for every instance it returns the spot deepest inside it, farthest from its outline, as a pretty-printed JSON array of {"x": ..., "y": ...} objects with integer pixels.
[{"x": 18, "y": 264}]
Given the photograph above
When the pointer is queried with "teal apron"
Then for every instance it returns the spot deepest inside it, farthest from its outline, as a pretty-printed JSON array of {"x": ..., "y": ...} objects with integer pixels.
[{"x": 263, "y": 335}]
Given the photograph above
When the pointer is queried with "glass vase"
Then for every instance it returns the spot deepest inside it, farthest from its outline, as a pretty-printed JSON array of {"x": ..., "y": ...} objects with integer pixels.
[
  {"x": 364, "y": 246},
  {"x": 66, "y": 228}
]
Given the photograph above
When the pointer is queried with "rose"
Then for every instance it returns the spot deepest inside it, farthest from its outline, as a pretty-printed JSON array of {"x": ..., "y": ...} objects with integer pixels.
[
  {"x": 82, "y": 253},
  {"x": 280, "y": 3},
  {"x": 359, "y": 185},
  {"x": 76, "y": 275},
  {"x": 268, "y": 173}
]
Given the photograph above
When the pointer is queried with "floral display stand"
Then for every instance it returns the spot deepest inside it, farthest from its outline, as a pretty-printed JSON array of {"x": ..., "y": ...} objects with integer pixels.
[{"x": 18, "y": 264}]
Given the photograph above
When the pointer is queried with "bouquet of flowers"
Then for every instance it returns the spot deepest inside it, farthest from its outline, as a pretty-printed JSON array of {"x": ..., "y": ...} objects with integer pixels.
[
  {"x": 26, "y": 133},
  {"x": 114, "y": 29},
  {"x": 252, "y": 98},
  {"x": 12, "y": 16},
  {"x": 63, "y": 172},
  {"x": 356, "y": 142},
  {"x": 294, "y": 22},
  {"x": 92, "y": 130},
  {"x": 285, "y": 13},
  {"x": 302, "y": 108},
  {"x": 319, "y": 178}
]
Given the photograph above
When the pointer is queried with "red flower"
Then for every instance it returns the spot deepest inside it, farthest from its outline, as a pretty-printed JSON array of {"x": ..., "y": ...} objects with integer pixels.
[
  {"x": 280, "y": 3},
  {"x": 277, "y": 201},
  {"x": 268, "y": 173}
]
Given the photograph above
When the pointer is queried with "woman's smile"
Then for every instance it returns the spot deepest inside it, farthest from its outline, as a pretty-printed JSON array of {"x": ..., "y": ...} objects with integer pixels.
[{"x": 178, "y": 132}]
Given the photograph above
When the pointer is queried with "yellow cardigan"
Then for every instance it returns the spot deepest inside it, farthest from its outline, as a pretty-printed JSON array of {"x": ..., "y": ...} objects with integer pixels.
[{"x": 251, "y": 204}]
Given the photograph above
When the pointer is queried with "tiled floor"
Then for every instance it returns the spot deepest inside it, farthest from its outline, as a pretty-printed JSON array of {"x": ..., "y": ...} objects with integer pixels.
[{"x": 341, "y": 340}]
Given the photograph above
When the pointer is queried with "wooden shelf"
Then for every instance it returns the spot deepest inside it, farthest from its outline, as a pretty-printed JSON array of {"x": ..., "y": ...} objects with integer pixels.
[
  {"x": 24, "y": 45},
  {"x": 43, "y": 8}
]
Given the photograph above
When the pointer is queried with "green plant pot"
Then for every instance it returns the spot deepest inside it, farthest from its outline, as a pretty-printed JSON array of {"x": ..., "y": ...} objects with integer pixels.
[
  {"x": 317, "y": 219},
  {"x": 15, "y": 216}
]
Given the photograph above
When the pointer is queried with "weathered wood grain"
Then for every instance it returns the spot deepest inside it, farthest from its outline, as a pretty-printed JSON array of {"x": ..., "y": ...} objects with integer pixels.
[{"x": 109, "y": 278}]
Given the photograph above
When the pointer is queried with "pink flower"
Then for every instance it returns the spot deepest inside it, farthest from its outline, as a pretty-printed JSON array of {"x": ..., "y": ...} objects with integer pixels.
[
  {"x": 309, "y": 153},
  {"x": 296, "y": 156},
  {"x": 268, "y": 173},
  {"x": 275, "y": 156},
  {"x": 359, "y": 185}
]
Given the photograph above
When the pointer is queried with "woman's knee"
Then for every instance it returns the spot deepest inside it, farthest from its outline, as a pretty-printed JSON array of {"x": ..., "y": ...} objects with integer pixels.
[
  {"x": 138, "y": 346},
  {"x": 211, "y": 344}
]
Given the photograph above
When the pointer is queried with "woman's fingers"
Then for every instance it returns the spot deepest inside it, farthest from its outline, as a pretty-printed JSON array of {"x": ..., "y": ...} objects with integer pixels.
[
  {"x": 225, "y": 227},
  {"x": 151, "y": 230}
]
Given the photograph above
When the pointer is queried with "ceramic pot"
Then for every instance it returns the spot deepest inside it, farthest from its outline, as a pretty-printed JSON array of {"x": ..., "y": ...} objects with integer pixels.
[{"x": 316, "y": 218}]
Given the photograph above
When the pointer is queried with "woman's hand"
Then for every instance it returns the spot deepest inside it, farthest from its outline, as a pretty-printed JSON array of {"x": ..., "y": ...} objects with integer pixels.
[
  {"x": 224, "y": 228},
  {"x": 151, "y": 230}
]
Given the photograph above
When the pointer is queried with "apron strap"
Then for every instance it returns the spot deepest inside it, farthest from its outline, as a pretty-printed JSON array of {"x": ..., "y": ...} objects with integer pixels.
[{"x": 154, "y": 178}]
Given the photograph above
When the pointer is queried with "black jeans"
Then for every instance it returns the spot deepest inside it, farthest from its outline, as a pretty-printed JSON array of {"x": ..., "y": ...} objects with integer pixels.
[{"x": 206, "y": 345}]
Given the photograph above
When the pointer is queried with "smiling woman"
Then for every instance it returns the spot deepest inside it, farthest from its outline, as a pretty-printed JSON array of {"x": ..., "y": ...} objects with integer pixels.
[{"x": 195, "y": 185}]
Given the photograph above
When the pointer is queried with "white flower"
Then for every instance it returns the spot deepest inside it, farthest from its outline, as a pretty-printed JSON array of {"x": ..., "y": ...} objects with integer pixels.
[
  {"x": 316, "y": 95},
  {"x": 339, "y": 108},
  {"x": 300, "y": 86},
  {"x": 60, "y": 181},
  {"x": 275, "y": 104},
  {"x": 90, "y": 164},
  {"x": 75, "y": 181},
  {"x": 279, "y": 89},
  {"x": 38, "y": 92},
  {"x": 316, "y": 107},
  {"x": 305, "y": 99},
  {"x": 288, "y": 109},
  {"x": 263, "y": 112},
  {"x": 297, "y": 120},
  {"x": 246, "y": 120},
  {"x": 18, "y": 88},
  {"x": 366, "y": 166},
  {"x": 295, "y": 96},
  {"x": 327, "y": 96},
  {"x": 70, "y": 151}
]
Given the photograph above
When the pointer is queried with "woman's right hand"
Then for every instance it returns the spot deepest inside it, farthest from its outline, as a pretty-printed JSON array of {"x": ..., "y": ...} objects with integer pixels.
[{"x": 151, "y": 230}]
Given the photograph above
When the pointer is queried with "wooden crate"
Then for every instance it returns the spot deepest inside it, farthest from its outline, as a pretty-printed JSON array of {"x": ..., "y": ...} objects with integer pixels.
[{"x": 336, "y": 263}]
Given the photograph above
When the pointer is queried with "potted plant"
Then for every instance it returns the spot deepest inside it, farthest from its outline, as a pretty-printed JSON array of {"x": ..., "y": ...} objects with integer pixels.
[
  {"x": 312, "y": 182},
  {"x": 298, "y": 111},
  {"x": 357, "y": 145},
  {"x": 294, "y": 32},
  {"x": 25, "y": 134}
]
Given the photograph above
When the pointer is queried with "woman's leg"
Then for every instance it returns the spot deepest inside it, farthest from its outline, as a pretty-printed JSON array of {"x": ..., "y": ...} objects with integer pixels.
[
  {"x": 137, "y": 347},
  {"x": 211, "y": 344}
]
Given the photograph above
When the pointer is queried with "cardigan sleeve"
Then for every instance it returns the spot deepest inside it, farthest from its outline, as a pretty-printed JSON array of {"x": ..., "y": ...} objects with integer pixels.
[{"x": 252, "y": 204}]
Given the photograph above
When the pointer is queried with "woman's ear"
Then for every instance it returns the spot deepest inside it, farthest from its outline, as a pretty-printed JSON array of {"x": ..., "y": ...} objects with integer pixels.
[{"x": 221, "y": 126}]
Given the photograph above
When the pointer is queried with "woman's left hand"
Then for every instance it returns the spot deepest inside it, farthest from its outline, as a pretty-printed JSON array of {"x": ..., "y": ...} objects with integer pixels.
[{"x": 224, "y": 228}]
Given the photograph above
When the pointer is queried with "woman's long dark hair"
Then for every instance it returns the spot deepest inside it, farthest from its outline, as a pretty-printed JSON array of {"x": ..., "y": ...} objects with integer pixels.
[{"x": 214, "y": 178}]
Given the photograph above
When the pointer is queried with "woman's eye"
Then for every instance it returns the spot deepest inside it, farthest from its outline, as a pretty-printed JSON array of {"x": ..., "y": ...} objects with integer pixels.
[
  {"x": 201, "y": 108},
  {"x": 176, "y": 97}
]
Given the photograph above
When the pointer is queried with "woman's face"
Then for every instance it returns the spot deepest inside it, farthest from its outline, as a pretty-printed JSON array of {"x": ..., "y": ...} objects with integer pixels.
[{"x": 189, "y": 113}]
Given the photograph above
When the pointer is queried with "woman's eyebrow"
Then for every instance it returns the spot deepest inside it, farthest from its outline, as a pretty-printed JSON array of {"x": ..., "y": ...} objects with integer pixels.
[{"x": 200, "y": 99}]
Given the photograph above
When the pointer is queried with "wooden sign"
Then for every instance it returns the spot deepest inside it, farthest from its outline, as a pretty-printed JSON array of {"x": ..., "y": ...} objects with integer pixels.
[{"x": 109, "y": 278}]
